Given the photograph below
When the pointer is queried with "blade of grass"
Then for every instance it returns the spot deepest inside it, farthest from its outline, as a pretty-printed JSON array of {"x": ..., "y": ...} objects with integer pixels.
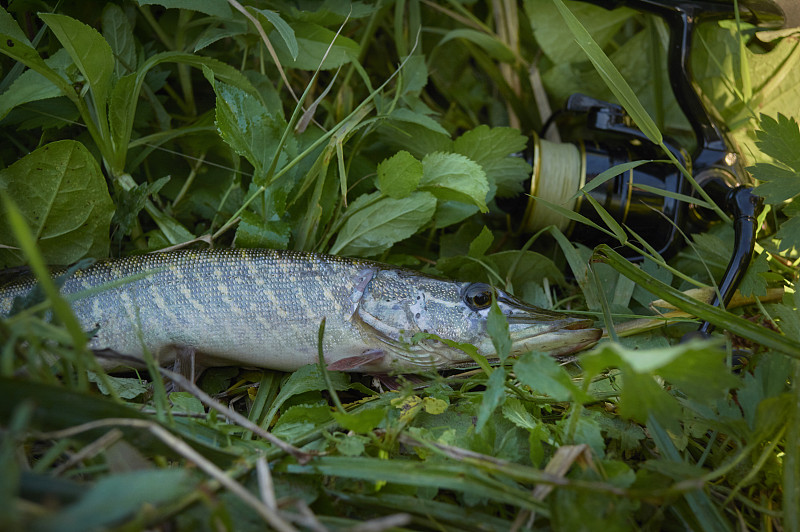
[{"x": 719, "y": 317}]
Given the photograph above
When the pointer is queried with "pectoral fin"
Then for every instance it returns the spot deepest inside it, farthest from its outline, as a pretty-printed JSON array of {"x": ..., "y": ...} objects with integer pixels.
[{"x": 362, "y": 363}]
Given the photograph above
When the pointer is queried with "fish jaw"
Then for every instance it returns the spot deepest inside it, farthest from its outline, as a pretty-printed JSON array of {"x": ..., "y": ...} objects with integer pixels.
[{"x": 558, "y": 337}]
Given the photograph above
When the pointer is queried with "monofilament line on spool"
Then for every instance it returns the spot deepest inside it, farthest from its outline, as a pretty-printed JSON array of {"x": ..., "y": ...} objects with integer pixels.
[{"x": 558, "y": 173}]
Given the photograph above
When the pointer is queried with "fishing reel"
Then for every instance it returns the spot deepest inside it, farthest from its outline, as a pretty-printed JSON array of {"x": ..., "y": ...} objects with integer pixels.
[{"x": 647, "y": 199}]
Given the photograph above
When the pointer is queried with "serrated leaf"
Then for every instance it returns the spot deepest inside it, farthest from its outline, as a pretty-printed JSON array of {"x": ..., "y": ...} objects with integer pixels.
[
  {"x": 491, "y": 45},
  {"x": 255, "y": 232},
  {"x": 780, "y": 139},
  {"x": 89, "y": 50},
  {"x": 777, "y": 184},
  {"x": 753, "y": 284},
  {"x": 374, "y": 229},
  {"x": 399, "y": 175},
  {"x": 253, "y": 132},
  {"x": 215, "y": 8},
  {"x": 789, "y": 234},
  {"x": 514, "y": 411},
  {"x": 451, "y": 176},
  {"x": 9, "y": 26},
  {"x": 542, "y": 374},
  {"x": 63, "y": 197}
]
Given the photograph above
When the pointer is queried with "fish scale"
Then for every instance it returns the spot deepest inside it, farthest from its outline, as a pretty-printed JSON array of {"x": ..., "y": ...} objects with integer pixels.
[{"x": 264, "y": 307}]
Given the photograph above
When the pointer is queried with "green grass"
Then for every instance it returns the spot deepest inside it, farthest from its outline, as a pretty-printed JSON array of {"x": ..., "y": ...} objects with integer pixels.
[{"x": 386, "y": 130}]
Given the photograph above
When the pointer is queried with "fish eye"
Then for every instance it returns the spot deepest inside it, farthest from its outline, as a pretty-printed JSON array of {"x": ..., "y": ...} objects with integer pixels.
[{"x": 478, "y": 296}]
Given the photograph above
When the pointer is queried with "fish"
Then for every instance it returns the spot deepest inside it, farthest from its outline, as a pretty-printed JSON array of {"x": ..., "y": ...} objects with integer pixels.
[{"x": 263, "y": 308}]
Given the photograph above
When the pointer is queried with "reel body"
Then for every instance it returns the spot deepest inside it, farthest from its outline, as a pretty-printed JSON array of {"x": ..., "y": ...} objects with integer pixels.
[{"x": 602, "y": 136}]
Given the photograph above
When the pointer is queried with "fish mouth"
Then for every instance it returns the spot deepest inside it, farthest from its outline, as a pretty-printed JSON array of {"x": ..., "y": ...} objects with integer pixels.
[{"x": 557, "y": 334}]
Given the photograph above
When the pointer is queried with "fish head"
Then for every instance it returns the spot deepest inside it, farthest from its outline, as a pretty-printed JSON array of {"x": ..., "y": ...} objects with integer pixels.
[{"x": 396, "y": 306}]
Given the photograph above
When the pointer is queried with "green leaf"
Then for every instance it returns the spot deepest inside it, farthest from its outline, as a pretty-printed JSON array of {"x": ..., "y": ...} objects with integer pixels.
[
  {"x": 117, "y": 497},
  {"x": 697, "y": 369},
  {"x": 399, "y": 175},
  {"x": 255, "y": 232},
  {"x": 375, "y": 228},
  {"x": 495, "y": 149},
  {"x": 91, "y": 53},
  {"x": 780, "y": 139},
  {"x": 283, "y": 29},
  {"x": 514, "y": 411},
  {"x": 126, "y": 387},
  {"x": 313, "y": 42},
  {"x": 549, "y": 28},
  {"x": 789, "y": 234},
  {"x": 480, "y": 245},
  {"x": 360, "y": 422},
  {"x": 752, "y": 283},
  {"x": 493, "y": 397},
  {"x": 497, "y": 327},
  {"x": 63, "y": 197},
  {"x": 32, "y": 86},
  {"x": 118, "y": 33},
  {"x": 9, "y": 26},
  {"x": 491, "y": 45},
  {"x": 451, "y": 176},
  {"x": 544, "y": 375},
  {"x": 252, "y": 131},
  {"x": 306, "y": 379},
  {"x": 215, "y": 8}
]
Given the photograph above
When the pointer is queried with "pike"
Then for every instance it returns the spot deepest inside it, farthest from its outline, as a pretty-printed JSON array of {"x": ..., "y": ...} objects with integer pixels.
[{"x": 263, "y": 308}]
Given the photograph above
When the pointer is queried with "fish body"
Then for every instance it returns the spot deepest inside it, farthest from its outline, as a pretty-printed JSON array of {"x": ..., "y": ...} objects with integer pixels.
[{"x": 263, "y": 308}]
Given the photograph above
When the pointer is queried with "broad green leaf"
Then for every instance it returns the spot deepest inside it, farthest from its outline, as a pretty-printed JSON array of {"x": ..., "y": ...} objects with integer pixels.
[
  {"x": 283, "y": 29},
  {"x": 215, "y": 8},
  {"x": 361, "y": 422},
  {"x": 495, "y": 149},
  {"x": 9, "y": 26},
  {"x": 543, "y": 375},
  {"x": 126, "y": 387},
  {"x": 491, "y": 45},
  {"x": 399, "y": 175},
  {"x": 780, "y": 139},
  {"x": 514, "y": 410},
  {"x": 117, "y": 497},
  {"x": 493, "y": 397},
  {"x": 252, "y": 131},
  {"x": 28, "y": 56},
  {"x": 313, "y": 42},
  {"x": 118, "y": 33},
  {"x": 91, "y": 53},
  {"x": 374, "y": 229},
  {"x": 306, "y": 379},
  {"x": 789, "y": 234},
  {"x": 480, "y": 245},
  {"x": 451, "y": 176},
  {"x": 550, "y": 30},
  {"x": 497, "y": 327},
  {"x": 63, "y": 197},
  {"x": 753, "y": 284}
]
